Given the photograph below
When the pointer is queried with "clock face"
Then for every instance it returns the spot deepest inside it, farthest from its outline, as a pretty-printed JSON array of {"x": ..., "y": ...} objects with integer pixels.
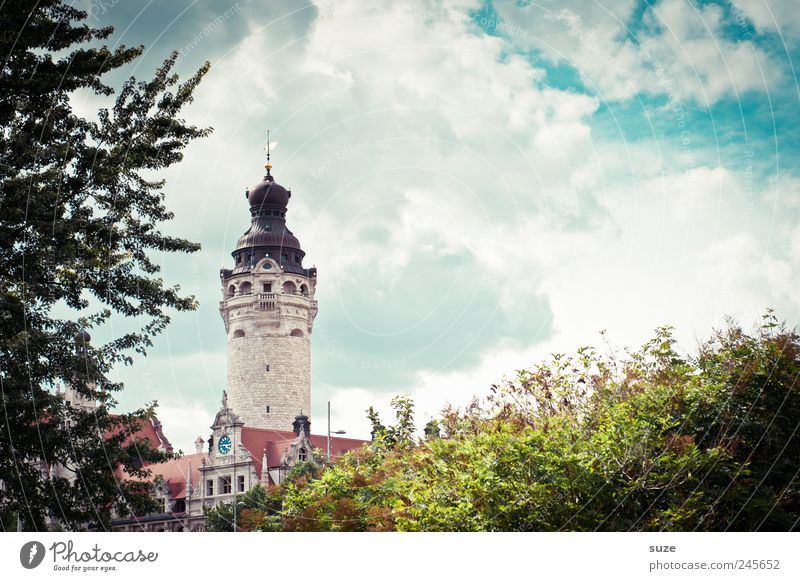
[{"x": 224, "y": 444}]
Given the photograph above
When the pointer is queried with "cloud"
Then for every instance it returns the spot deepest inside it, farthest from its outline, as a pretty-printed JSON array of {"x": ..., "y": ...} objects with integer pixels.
[
  {"x": 466, "y": 217},
  {"x": 780, "y": 16},
  {"x": 675, "y": 48}
]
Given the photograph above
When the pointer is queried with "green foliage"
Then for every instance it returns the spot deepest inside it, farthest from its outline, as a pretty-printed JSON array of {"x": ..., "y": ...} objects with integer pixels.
[
  {"x": 81, "y": 209},
  {"x": 256, "y": 511},
  {"x": 303, "y": 469},
  {"x": 649, "y": 441},
  {"x": 400, "y": 435}
]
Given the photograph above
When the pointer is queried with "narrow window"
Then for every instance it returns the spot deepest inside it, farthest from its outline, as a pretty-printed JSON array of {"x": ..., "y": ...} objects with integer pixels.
[
  {"x": 240, "y": 483},
  {"x": 284, "y": 258},
  {"x": 267, "y": 287},
  {"x": 209, "y": 487},
  {"x": 267, "y": 366},
  {"x": 303, "y": 455},
  {"x": 225, "y": 484},
  {"x": 267, "y": 409}
]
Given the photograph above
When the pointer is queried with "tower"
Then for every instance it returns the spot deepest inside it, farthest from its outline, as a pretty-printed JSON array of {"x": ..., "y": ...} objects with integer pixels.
[{"x": 268, "y": 308}]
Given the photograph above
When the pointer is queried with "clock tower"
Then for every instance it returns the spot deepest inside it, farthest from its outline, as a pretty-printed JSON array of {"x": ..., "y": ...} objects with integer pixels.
[{"x": 268, "y": 309}]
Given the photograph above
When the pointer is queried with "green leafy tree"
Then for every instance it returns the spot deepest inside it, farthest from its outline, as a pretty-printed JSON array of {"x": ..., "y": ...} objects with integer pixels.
[
  {"x": 81, "y": 207},
  {"x": 257, "y": 510},
  {"x": 652, "y": 440}
]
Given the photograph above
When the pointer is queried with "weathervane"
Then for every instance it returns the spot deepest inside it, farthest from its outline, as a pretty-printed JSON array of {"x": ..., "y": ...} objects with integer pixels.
[{"x": 270, "y": 145}]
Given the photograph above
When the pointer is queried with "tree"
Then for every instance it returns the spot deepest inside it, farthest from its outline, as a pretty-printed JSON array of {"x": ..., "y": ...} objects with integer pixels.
[
  {"x": 652, "y": 440},
  {"x": 81, "y": 211},
  {"x": 257, "y": 511}
]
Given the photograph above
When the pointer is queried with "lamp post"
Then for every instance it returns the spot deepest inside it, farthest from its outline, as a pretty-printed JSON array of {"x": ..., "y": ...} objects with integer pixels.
[
  {"x": 235, "y": 505},
  {"x": 329, "y": 431}
]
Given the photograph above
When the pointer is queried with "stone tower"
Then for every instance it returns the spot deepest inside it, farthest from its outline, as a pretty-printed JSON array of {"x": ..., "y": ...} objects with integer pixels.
[{"x": 268, "y": 308}]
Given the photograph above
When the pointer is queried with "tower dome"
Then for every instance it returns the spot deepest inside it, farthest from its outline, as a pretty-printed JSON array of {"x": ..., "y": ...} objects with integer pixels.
[
  {"x": 268, "y": 234},
  {"x": 268, "y": 194}
]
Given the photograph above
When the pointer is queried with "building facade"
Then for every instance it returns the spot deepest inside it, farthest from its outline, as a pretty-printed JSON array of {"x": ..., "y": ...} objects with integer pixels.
[{"x": 262, "y": 428}]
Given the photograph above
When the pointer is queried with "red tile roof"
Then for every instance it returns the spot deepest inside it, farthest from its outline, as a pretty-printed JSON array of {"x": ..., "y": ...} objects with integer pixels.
[
  {"x": 151, "y": 431},
  {"x": 255, "y": 440},
  {"x": 174, "y": 472}
]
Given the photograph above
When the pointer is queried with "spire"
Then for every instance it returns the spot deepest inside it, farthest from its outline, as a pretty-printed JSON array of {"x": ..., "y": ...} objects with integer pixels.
[
  {"x": 189, "y": 481},
  {"x": 268, "y": 147},
  {"x": 264, "y": 468}
]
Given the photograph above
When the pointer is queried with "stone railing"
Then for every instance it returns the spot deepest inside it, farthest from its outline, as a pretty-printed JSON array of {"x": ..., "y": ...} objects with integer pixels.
[{"x": 266, "y": 301}]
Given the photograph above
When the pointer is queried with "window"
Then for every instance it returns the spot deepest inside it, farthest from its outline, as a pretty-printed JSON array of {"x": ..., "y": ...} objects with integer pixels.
[
  {"x": 238, "y": 333},
  {"x": 267, "y": 287},
  {"x": 209, "y": 487},
  {"x": 267, "y": 366},
  {"x": 303, "y": 454},
  {"x": 240, "y": 483},
  {"x": 231, "y": 291},
  {"x": 180, "y": 505},
  {"x": 289, "y": 287},
  {"x": 297, "y": 258},
  {"x": 296, "y": 333},
  {"x": 225, "y": 485},
  {"x": 267, "y": 409},
  {"x": 245, "y": 288},
  {"x": 284, "y": 258}
]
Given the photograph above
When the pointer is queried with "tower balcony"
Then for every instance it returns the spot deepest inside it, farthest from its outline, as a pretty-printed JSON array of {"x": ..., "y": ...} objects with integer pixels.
[
  {"x": 270, "y": 301},
  {"x": 273, "y": 301}
]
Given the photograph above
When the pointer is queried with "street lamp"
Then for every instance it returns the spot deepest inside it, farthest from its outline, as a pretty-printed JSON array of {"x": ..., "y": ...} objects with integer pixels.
[
  {"x": 235, "y": 505},
  {"x": 329, "y": 431}
]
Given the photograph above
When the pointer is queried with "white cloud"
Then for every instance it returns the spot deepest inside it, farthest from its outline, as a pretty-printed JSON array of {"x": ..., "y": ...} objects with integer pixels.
[
  {"x": 681, "y": 51},
  {"x": 409, "y": 137},
  {"x": 770, "y": 16}
]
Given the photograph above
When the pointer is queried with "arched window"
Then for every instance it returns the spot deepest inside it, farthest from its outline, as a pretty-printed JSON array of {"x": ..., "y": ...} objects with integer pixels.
[
  {"x": 245, "y": 288},
  {"x": 289, "y": 288},
  {"x": 238, "y": 333},
  {"x": 302, "y": 455},
  {"x": 296, "y": 333},
  {"x": 304, "y": 290},
  {"x": 231, "y": 291}
]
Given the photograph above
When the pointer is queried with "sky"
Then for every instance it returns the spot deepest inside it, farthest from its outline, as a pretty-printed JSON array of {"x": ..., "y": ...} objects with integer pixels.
[{"x": 480, "y": 184}]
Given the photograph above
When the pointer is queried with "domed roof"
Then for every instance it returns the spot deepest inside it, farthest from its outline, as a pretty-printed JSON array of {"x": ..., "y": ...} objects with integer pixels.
[
  {"x": 258, "y": 236},
  {"x": 83, "y": 336},
  {"x": 268, "y": 193}
]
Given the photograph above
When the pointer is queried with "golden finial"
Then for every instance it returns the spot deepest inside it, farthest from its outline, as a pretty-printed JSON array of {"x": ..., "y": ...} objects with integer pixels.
[{"x": 270, "y": 146}]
